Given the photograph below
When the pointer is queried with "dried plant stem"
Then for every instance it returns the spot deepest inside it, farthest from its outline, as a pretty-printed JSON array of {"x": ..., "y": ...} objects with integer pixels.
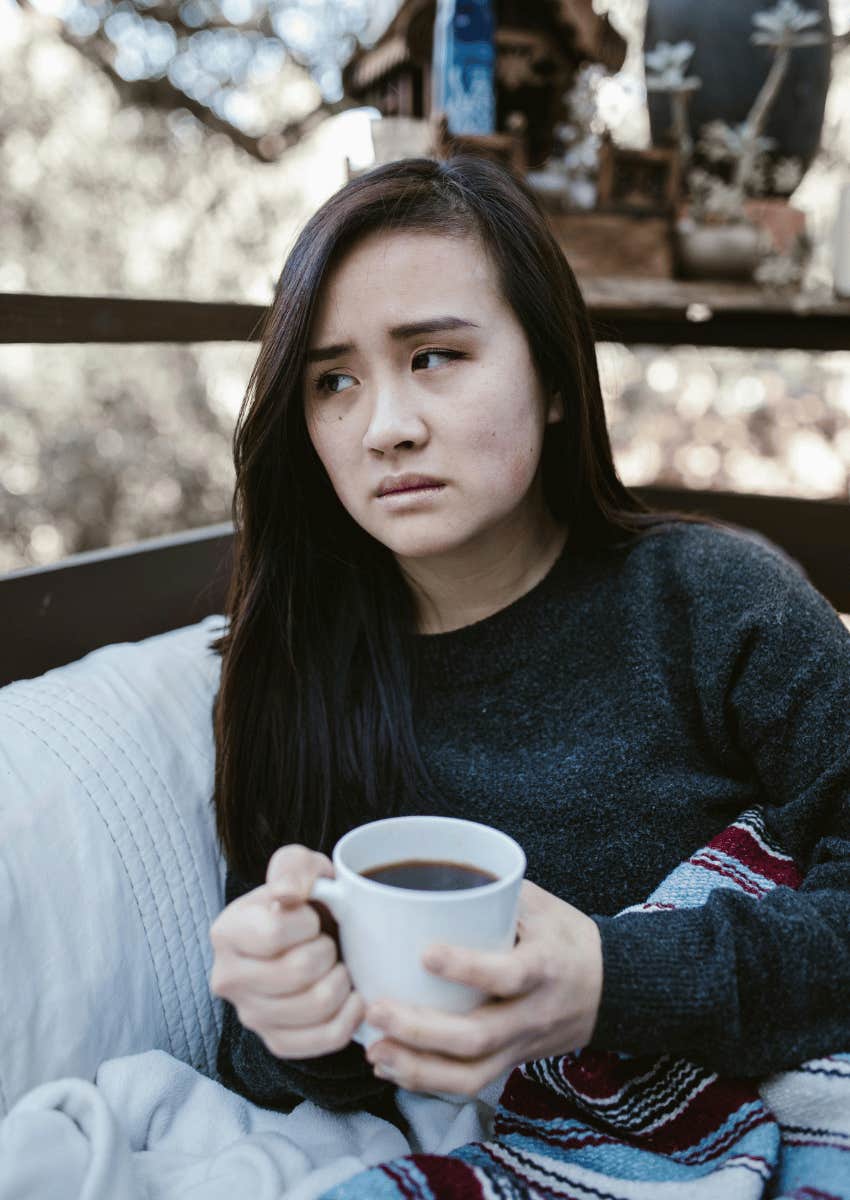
[{"x": 755, "y": 121}]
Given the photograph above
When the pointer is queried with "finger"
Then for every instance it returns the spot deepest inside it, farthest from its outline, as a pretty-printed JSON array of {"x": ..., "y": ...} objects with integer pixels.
[
  {"x": 316, "y": 1005},
  {"x": 251, "y": 927},
  {"x": 303, "y": 966},
  {"x": 293, "y": 870},
  {"x": 503, "y": 973},
  {"x": 485, "y": 1031},
  {"x": 290, "y": 973},
  {"x": 319, "y": 1039},
  {"x": 420, "y": 1072}
]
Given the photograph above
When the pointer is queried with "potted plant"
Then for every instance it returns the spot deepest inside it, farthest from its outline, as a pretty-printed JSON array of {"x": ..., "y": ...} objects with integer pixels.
[{"x": 724, "y": 231}]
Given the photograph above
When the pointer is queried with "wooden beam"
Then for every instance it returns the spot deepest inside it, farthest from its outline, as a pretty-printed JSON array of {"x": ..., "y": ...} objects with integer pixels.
[
  {"x": 649, "y": 311},
  {"x": 56, "y": 614},
  {"x": 84, "y": 319},
  {"x": 668, "y": 312}
]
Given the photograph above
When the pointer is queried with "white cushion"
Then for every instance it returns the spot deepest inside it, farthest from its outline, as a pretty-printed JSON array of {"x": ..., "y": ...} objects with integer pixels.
[{"x": 109, "y": 870}]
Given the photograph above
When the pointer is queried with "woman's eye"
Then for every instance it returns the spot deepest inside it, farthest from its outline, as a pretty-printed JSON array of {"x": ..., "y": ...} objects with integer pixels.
[
  {"x": 426, "y": 359},
  {"x": 334, "y": 382}
]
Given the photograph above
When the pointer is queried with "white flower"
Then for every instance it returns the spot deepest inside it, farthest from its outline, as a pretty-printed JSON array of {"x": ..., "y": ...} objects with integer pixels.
[
  {"x": 721, "y": 142},
  {"x": 778, "y": 270},
  {"x": 723, "y": 201},
  {"x": 757, "y": 178},
  {"x": 783, "y": 27},
  {"x": 666, "y": 68},
  {"x": 713, "y": 199},
  {"x": 787, "y": 174},
  {"x": 667, "y": 55},
  {"x": 583, "y": 157}
]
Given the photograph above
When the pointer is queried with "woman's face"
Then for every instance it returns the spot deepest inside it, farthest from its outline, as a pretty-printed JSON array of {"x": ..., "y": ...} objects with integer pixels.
[{"x": 422, "y": 400}]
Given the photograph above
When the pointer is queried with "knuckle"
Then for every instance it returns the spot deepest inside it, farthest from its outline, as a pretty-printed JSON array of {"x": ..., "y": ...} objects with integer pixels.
[
  {"x": 220, "y": 981},
  {"x": 411, "y": 1029},
  {"x": 329, "y": 994},
  {"x": 276, "y": 1044},
  {"x": 298, "y": 977},
  {"x": 325, "y": 948},
  {"x": 520, "y": 976},
  {"x": 304, "y": 968},
  {"x": 340, "y": 1028},
  {"x": 267, "y": 925},
  {"x": 411, "y": 1077},
  {"x": 478, "y": 1043},
  {"x": 247, "y": 1018}
]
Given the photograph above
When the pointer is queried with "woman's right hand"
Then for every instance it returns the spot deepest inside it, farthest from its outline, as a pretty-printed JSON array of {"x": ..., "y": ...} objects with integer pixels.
[{"x": 278, "y": 969}]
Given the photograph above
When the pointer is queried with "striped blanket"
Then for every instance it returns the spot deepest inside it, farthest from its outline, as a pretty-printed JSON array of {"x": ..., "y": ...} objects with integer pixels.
[{"x": 600, "y": 1126}]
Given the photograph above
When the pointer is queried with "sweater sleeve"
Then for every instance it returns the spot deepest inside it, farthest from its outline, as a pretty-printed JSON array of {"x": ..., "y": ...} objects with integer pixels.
[
  {"x": 342, "y": 1080},
  {"x": 747, "y": 986}
]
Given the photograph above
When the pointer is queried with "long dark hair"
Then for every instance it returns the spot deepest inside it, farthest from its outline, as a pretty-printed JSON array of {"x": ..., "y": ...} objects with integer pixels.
[{"x": 313, "y": 719}]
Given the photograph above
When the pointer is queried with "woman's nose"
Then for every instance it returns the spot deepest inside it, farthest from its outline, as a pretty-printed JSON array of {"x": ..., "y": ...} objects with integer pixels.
[{"x": 395, "y": 422}]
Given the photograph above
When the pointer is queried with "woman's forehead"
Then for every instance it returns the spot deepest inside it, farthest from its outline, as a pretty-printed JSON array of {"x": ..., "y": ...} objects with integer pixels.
[{"x": 388, "y": 276}]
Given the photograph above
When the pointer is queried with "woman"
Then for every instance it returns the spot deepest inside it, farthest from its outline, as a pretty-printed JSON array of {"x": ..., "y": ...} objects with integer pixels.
[{"x": 446, "y": 601}]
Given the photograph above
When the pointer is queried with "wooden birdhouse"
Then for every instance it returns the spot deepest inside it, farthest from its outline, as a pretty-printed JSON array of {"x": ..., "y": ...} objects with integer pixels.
[{"x": 539, "y": 46}]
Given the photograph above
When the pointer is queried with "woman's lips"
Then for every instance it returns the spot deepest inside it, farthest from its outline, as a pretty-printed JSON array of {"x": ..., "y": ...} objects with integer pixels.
[
  {"x": 406, "y": 482},
  {"x": 408, "y": 494}
]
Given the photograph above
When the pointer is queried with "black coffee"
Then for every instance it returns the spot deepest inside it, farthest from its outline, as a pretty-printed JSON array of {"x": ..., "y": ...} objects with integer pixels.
[{"x": 429, "y": 876}]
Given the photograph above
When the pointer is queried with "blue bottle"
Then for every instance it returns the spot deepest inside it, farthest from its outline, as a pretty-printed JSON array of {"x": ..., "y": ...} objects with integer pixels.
[{"x": 464, "y": 65}]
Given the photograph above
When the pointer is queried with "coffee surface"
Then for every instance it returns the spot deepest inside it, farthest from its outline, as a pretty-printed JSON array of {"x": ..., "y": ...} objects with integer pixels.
[{"x": 428, "y": 875}]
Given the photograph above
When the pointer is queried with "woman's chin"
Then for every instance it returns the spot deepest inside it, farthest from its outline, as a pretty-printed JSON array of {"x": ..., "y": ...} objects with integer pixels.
[{"x": 421, "y": 545}]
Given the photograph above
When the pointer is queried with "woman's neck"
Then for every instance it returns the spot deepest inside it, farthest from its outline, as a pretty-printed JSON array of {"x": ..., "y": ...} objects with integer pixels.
[{"x": 466, "y": 587}]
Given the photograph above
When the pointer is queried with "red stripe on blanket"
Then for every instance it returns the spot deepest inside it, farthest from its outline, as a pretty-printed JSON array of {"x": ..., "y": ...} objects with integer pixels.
[
  {"x": 712, "y": 1104},
  {"x": 397, "y": 1175},
  {"x": 727, "y": 870},
  {"x": 808, "y": 1193},
  {"x": 449, "y": 1178},
  {"x": 740, "y": 843}
]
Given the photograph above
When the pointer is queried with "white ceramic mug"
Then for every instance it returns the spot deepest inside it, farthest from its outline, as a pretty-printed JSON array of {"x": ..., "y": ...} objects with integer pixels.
[{"x": 384, "y": 930}]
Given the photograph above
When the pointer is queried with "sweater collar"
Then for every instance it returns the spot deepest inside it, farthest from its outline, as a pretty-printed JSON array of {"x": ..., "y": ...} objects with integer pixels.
[{"x": 499, "y": 643}]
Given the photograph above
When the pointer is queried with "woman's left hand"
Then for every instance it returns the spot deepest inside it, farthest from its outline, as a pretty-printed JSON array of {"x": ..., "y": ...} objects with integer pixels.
[{"x": 546, "y": 992}]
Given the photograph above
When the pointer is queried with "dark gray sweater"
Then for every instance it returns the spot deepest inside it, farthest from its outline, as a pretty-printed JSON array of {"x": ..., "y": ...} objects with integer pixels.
[{"x": 613, "y": 720}]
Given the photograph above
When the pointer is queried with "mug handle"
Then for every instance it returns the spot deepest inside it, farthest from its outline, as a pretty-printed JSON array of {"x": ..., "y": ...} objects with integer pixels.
[{"x": 329, "y": 892}]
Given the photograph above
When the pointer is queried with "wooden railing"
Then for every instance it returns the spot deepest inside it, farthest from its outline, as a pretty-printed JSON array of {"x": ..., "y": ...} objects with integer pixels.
[
  {"x": 648, "y": 311},
  {"x": 52, "y": 615}
]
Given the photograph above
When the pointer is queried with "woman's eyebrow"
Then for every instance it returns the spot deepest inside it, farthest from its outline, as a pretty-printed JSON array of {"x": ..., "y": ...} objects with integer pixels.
[{"x": 399, "y": 332}]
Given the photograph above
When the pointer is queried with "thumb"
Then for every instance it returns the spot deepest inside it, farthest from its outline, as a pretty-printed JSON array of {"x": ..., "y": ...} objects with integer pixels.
[{"x": 292, "y": 871}]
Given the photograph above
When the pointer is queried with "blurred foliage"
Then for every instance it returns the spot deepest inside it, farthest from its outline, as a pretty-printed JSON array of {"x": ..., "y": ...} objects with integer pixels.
[
  {"x": 123, "y": 457},
  {"x": 769, "y": 422},
  {"x": 223, "y": 61},
  {"x": 102, "y": 444}
]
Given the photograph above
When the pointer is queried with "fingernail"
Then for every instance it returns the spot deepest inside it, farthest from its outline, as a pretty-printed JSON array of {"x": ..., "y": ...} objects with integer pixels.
[{"x": 434, "y": 960}]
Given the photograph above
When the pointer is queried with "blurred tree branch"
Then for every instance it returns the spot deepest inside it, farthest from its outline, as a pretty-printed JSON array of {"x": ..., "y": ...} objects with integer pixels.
[{"x": 156, "y": 90}]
